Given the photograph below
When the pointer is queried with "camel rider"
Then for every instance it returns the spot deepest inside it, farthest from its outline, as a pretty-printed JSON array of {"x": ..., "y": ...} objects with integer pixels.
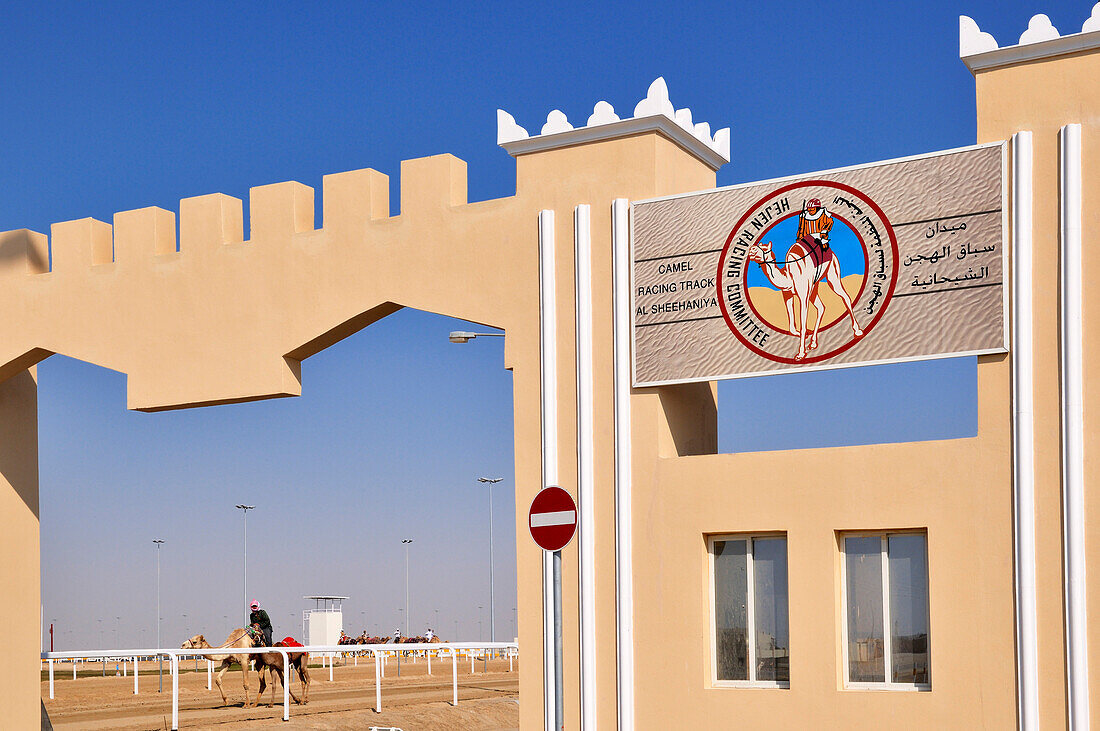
[
  {"x": 397, "y": 635},
  {"x": 259, "y": 619},
  {"x": 815, "y": 222},
  {"x": 430, "y": 634}
]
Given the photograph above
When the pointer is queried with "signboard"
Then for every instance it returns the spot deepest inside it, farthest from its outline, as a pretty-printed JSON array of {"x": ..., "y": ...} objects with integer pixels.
[
  {"x": 553, "y": 518},
  {"x": 891, "y": 261}
]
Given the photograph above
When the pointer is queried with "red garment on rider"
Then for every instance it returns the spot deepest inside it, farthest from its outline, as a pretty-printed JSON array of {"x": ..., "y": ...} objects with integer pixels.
[{"x": 818, "y": 254}]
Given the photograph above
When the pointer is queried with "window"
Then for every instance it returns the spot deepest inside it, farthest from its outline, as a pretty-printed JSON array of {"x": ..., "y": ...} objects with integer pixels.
[
  {"x": 885, "y": 581},
  {"x": 750, "y": 644}
]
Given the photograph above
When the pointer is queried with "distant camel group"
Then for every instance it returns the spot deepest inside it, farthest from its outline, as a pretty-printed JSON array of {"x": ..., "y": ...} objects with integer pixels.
[
  {"x": 269, "y": 661},
  {"x": 365, "y": 639}
]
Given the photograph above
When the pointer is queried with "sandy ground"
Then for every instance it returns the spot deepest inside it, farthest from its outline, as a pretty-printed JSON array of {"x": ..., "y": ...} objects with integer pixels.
[{"x": 487, "y": 700}]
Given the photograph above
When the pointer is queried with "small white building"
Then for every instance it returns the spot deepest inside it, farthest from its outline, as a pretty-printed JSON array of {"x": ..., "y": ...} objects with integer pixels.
[{"x": 323, "y": 624}]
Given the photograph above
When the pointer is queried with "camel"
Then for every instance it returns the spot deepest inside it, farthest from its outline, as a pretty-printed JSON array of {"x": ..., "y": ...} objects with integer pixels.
[
  {"x": 800, "y": 279},
  {"x": 274, "y": 661},
  {"x": 237, "y": 638}
]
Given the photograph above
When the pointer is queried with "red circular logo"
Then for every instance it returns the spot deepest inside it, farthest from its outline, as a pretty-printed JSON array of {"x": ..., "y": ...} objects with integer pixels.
[{"x": 807, "y": 272}]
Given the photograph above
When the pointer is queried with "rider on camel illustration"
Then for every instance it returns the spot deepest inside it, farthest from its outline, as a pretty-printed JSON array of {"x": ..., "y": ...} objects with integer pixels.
[{"x": 814, "y": 225}]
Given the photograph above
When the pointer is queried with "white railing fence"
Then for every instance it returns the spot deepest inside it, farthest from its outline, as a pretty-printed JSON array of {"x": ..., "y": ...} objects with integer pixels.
[{"x": 380, "y": 653}]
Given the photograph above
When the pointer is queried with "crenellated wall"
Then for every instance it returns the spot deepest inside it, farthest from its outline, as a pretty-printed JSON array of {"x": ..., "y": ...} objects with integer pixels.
[{"x": 227, "y": 319}]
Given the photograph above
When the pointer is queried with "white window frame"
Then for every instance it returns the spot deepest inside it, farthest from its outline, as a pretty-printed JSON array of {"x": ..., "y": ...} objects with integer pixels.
[
  {"x": 750, "y": 617},
  {"x": 887, "y": 640}
]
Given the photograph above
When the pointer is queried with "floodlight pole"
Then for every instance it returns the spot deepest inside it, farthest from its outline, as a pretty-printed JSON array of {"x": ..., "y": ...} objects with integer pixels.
[
  {"x": 160, "y": 658},
  {"x": 406, "y": 542},
  {"x": 490, "y": 481},
  {"x": 244, "y": 568}
]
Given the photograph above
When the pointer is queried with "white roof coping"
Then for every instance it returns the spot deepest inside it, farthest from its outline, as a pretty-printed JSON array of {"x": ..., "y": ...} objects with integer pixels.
[
  {"x": 654, "y": 112},
  {"x": 979, "y": 50}
]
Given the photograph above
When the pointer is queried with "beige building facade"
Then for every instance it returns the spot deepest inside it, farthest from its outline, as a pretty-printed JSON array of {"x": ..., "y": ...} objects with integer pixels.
[{"x": 226, "y": 316}]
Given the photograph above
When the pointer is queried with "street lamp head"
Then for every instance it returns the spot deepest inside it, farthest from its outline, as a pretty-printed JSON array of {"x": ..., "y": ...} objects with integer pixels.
[
  {"x": 464, "y": 336},
  {"x": 490, "y": 480},
  {"x": 247, "y": 507},
  {"x": 158, "y": 542},
  {"x": 406, "y": 540}
]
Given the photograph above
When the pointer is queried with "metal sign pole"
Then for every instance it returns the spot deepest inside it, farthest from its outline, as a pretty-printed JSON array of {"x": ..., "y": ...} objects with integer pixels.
[{"x": 559, "y": 699}]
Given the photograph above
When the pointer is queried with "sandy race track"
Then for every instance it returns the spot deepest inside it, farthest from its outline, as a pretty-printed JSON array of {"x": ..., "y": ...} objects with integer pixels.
[{"x": 487, "y": 700}]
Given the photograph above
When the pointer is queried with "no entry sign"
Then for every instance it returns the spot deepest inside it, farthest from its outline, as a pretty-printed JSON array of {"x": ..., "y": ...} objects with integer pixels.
[{"x": 553, "y": 518}]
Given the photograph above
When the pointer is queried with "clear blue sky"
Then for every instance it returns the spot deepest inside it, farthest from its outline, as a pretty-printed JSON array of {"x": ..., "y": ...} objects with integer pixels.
[{"x": 119, "y": 106}]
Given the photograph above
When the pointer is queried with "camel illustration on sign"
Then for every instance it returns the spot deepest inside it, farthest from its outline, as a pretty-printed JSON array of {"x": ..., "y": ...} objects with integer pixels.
[{"x": 809, "y": 261}]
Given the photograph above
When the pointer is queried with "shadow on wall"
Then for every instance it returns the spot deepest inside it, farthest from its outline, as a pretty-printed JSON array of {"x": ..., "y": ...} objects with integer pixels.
[{"x": 19, "y": 437}]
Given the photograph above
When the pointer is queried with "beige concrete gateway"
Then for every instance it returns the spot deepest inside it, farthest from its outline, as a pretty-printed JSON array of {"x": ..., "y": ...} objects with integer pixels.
[{"x": 993, "y": 530}]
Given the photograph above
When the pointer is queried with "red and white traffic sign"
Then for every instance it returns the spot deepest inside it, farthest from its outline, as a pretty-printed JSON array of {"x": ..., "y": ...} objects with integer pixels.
[{"x": 553, "y": 518}]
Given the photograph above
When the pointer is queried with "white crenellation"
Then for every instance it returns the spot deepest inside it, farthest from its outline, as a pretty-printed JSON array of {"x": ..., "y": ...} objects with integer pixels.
[
  {"x": 974, "y": 41},
  {"x": 655, "y": 103},
  {"x": 507, "y": 129},
  {"x": 1039, "y": 29},
  {"x": 556, "y": 121},
  {"x": 1093, "y": 22},
  {"x": 602, "y": 113}
]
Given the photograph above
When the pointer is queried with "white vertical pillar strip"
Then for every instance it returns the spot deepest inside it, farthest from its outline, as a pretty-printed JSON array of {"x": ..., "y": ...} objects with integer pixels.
[
  {"x": 1023, "y": 435},
  {"x": 1073, "y": 427},
  {"x": 624, "y": 531},
  {"x": 548, "y": 364},
  {"x": 586, "y": 473}
]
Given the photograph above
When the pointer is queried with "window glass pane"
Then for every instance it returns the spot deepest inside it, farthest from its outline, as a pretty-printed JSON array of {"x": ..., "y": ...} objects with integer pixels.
[
  {"x": 863, "y": 569},
  {"x": 769, "y": 567},
  {"x": 730, "y": 610},
  {"x": 908, "y": 608}
]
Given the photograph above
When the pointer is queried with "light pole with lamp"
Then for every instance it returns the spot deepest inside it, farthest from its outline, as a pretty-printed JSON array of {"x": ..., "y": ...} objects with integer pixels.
[
  {"x": 490, "y": 481},
  {"x": 405, "y": 542},
  {"x": 244, "y": 572},
  {"x": 160, "y": 658}
]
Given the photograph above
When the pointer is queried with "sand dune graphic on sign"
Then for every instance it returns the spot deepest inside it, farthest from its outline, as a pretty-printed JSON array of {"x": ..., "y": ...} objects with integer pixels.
[{"x": 769, "y": 303}]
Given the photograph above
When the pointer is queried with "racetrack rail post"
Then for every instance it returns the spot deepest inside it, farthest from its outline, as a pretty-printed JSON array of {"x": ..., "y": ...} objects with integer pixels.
[{"x": 377, "y": 683}]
